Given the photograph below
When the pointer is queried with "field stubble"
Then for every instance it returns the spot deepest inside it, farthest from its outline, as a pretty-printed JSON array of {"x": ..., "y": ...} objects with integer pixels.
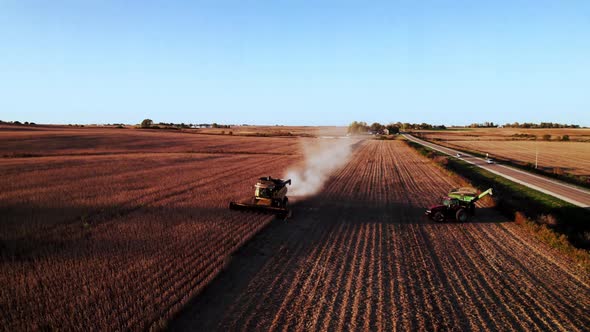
[{"x": 360, "y": 256}]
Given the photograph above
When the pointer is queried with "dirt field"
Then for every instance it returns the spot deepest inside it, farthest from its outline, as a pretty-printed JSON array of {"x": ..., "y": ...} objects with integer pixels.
[
  {"x": 360, "y": 256},
  {"x": 569, "y": 157},
  {"x": 121, "y": 229}
]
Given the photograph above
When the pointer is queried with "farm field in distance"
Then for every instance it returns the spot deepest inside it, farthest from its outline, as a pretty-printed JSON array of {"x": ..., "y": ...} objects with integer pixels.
[
  {"x": 128, "y": 229},
  {"x": 518, "y": 145}
]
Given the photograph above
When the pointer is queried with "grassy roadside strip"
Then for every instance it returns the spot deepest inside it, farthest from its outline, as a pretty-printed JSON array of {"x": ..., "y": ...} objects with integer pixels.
[
  {"x": 577, "y": 180},
  {"x": 561, "y": 225}
]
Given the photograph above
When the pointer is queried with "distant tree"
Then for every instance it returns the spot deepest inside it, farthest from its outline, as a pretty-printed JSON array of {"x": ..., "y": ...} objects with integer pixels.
[
  {"x": 546, "y": 137},
  {"x": 565, "y": 137},
  {"x": 147, "y": 123},
  {"x": 357, "y": 128},
  {"x": 393, "y": 128},
  {"x": 424, "y": 125},
  {"x": 540, "y": 125},
  {"x": 376, "y": 127}
]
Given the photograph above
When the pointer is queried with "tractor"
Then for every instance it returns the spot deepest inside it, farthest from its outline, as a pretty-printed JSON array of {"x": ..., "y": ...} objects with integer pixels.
[{"x": 458, "y": 205}]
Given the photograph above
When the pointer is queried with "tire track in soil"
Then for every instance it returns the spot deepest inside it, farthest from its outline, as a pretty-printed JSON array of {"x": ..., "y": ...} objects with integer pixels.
[
  {"x": 308, "y": 284},
  {"x": 321, "y": 299},
  {"x": 329, "y": 290},
  {"x": 362, "y": 257}
]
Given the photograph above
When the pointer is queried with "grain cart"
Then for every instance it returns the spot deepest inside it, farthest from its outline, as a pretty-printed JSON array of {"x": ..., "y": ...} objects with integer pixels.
[
  {"x": 458, "y": 205},
  {"x": 270, "y": 196}
]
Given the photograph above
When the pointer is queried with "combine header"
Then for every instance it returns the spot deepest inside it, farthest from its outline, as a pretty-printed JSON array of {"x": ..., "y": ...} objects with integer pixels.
[
  {"x": 270, "y": 196},
  {"x": 459, "y": 205}
]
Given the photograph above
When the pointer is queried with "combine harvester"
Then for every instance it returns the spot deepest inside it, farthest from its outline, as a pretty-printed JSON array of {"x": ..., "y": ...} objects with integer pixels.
[
  {"x": 270, "y": 196},
  {"x": 458, "y": 205}
]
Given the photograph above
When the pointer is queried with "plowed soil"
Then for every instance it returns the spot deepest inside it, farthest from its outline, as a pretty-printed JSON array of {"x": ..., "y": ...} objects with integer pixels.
[{"x": 361, "y": 256}]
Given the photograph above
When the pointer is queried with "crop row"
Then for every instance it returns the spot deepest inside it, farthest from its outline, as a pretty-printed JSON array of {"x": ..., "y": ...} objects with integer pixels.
[
  {"x": 370, "y": 261},
  {"x": 119, "y": 242}
]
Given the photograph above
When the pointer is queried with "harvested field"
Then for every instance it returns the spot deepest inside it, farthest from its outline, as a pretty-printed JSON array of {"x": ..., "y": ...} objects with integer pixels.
[
  {"x": 360, "y": 256},
  {"x": 507, "y": 134}
]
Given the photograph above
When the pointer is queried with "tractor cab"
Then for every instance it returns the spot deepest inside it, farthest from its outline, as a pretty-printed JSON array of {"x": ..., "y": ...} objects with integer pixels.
[
  {"x": 268, "y": 188},
  {"x": 450, "y": 202},
  {"x": 262, "y": 191}
]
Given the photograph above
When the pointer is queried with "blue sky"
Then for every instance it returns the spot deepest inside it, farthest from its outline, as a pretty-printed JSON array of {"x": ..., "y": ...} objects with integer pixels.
[{"x": 295, "y": 62}]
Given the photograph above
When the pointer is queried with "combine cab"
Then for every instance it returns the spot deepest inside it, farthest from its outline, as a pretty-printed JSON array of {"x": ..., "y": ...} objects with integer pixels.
[
  {"x": 270, "y": 196},
  {"x": 458, "y": 205}
]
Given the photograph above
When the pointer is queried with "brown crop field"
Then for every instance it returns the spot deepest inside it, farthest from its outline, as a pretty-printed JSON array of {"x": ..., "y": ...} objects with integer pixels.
[
  {"x": 53, "y": 140},
  {"x": 571, "y": 157},
  {"x": 124, "y": 229},
  {"x": 106, "y": 230},
  {"x": 276, "y": 131},
  {"x": 508, "y": 134},
  {"x": 360, "y": 256}
]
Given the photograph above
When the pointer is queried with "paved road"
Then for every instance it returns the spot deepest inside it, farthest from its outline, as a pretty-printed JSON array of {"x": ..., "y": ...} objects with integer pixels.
[{"x": 568, "y": 193}]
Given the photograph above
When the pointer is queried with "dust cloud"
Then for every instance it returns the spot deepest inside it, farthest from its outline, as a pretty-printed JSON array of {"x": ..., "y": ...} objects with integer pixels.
[{"x": 322, "y": 157}]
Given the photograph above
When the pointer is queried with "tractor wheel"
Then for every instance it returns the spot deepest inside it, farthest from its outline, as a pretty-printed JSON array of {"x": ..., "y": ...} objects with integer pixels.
[
  {"x": 438, "y": 217},
  {"x": 285, "y": 201},
  {"x": 462, "y": 215}
]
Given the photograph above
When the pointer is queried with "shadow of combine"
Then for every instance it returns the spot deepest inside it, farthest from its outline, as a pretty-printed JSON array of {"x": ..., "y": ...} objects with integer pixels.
[{"x": 312, "y": 221}]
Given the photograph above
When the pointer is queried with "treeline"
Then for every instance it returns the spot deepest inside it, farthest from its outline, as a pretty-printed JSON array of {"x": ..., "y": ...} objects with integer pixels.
[
  {"x": 376, "y": 128},
  {"x": 148, "y": 123},
  {"x": 540, "y": 125},
  {"x": 523, "y": 125},
  {"x": 483, "y": 125},
  {"x": 26, "y": 123}
]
